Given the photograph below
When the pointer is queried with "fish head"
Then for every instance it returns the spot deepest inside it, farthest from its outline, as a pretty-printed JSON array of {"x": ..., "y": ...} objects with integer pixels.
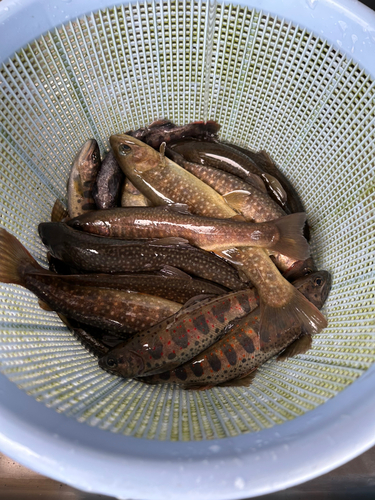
[
  {"x": 133, "y": 155},
  {"x": 88, "y": 160},
  {"x": 122, "y": 362},
  {"x": 315, "y": 287}
]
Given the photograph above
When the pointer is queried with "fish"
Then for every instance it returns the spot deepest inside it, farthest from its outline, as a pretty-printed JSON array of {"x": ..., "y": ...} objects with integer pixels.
[
  {"x": 175, "y": 285},
  {"x": 132, "y": 197},
  {"x": 59, "y": 212},
  {"x": 81, "y": 333},
  {"x": 241, "y": 350},
  {"x": 179, "y": 338},
  {"x": 283, "y": 235},
  {"x": 155, "y": 175},
  {"x": 158, "y": 178},
  {"x": 117, "y": 311},
  {"x": 164, "y": 130},
  {"x": 108, "y": 183},
  {"x": 98, "y": 254},
  {"x": 82, "y": 179}
]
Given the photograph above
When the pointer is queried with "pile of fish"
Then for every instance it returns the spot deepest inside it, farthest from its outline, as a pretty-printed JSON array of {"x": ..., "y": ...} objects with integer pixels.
[{"x": 179, "y": 259}]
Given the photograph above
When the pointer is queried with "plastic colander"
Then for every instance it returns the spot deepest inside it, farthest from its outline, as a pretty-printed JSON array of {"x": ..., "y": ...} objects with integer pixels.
[{"x": 295, "y": 78}]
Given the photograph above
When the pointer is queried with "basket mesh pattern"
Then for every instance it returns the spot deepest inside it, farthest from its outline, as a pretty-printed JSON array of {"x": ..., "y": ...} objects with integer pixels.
[{"x": 273, "y": 86}]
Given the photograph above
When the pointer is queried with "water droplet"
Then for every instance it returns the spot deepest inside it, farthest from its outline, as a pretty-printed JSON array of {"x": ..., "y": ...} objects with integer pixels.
[
  {"x": 6, "y": 9},
  {"x": 239, "y": 483},
  {"x": 215, "y": 448},
  {"x": 311, "y": 3},
  {"x": 66, "y": 1},
  {"x": 343, "y": 26},
  {"x": 339, "y": 43},
  {"x": 354, "y": 39}
]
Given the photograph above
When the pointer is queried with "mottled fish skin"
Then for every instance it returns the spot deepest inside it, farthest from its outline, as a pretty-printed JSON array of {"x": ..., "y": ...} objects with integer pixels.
[
  {"x": 107, "y": 187},
  {"x": 204, "y": 232},
  {"x": 82, "y": 179},
  {"x": 179, "y": 338},
  {"x": 132, "y": 197},
  {"x": 159, "y": 178},
  {"x": 114, "y": 310},
  {"x": 165, "y": 131},
  {"x": 167, "y": 287},
  {"x": 107, "y": 255},
  {"x": 223, "y": 157},
  {"x": 155, "y": 176},
  {"x": 241, "y": 350}
]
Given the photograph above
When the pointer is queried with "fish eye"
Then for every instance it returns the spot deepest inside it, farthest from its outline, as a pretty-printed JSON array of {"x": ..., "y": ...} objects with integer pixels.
[
  {"x": 124, "y": 149},
  {"x": 111, "y": 362},
  {"x": 318, "y": 281}
]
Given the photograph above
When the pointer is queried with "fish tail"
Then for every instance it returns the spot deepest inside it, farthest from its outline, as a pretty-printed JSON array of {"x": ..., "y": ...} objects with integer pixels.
[
  {"x": 291, "y": 242},
  {"x": 14, "y": 259},
  {"x": 298, "y": 314}
]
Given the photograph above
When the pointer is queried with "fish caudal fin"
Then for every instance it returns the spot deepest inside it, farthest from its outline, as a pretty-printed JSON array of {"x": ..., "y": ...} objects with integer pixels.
[
  {"x": 291, "y": 242},
  {"x": 13, "y": 259},
  {"x": 298, "y": 314}
]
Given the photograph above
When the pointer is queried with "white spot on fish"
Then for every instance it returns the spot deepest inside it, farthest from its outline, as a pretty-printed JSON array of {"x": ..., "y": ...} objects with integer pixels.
[{"x": 239, "y": 483}]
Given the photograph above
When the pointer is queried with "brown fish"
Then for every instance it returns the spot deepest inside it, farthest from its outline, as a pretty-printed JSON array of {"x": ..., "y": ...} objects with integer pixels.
[
  {"x": 281, "y": 303},
  {"x": 82, "y": 179},
  {"x": 179, "y": 338},
  {"x": 115, "y": 310},
  {"x": 283, "y": 235},
  {"x": 132, "y": 197},
  {"x": 165, "y": 131},
  {"x": 241, "y": 350},
  {"x": 107, "y": 255},
  {"x": 107, "y": 187}
]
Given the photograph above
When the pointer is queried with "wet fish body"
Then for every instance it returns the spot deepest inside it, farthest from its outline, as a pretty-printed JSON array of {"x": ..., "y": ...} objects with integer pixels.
[
  {"x": 283, "y": 235},
  {"x": 82, "y": 179},
  {"x": 107, "y": 255},
  {"x": 114, "y": 310},
  {"x": 180, "y": 337},
  {"x": 107, "y": 187},
  {"x": 241, "y": 350},
  {"x": 132, "y": 197}
]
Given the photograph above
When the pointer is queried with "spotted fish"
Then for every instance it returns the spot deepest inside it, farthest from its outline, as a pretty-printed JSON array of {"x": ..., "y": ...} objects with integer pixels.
[
  {"x": 107, "y": 187},
  {"x": 283, "y": 235},
  {"x": 241, "y": 350},
  {"x": 179, "y": 338},
  {"x": 82, "y": 179},
  {"x": 117, "y": 311}
]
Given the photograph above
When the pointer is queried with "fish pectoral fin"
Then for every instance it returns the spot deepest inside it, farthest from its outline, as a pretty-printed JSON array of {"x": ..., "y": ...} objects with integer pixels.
[
  {"x": 181, "y": 208},
  {"x": 243, "y": 381},
  {"x": 59, "y": 212},
  {"x": 43, "y": 305},
  {"x": 299, "y": 346},
  {"x": 204, "y": 297},
  {"x": 174, "y": 272},
  {"x": 238, "y": 218}
]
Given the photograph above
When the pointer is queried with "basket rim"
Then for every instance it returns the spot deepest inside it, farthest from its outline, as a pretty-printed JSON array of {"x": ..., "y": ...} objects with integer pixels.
[{"x": 99, "y": 461}]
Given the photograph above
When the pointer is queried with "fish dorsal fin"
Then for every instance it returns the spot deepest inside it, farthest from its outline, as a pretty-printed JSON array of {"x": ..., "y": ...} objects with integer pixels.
[
  {"x": 276, "y": 188},
  {"x": 59, "y": 212},
  {"x": 181, "y": 208},
  {"x": 162, "y": 147},
  {"x": 43, "y": 305},
  {"x": 299, "y": 346},
  {"x": 199, "y": 299},
  {"x": 173, "y": 272}
]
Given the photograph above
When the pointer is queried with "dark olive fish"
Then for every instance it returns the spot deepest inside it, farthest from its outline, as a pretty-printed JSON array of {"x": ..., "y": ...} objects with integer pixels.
[
  {"x": 107, "y": 187},
  {"x": 223, "y": 157},
  {"x": 107, "y": 255},
  {"x": 179, "y": 338},
  {"x": 283, "y": 235},
  {"x": 81, "y": 333},
  {"x": 82, "y": 179},
  {"x": 114, "y": 310},
  {"x": 165, "y": 131},
  {"x": 176, "y": 288},
  {"x": 240, "y": 351}
]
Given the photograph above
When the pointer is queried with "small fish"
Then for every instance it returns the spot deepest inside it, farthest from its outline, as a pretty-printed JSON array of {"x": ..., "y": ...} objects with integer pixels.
[
  {"x": 82, "y": 179},
  {"x": 222, "y": 157},
  {"x": 165, "y": 131},
  {"x": 241, "y": 350},
  {"x": 107, "y": 187},
  {"x": 114, "y": 310},
  {"x": 179, "y": 338},
  {"x": 165, "y": 182},
  {"x": 176, "y": 285},
  {"x": 107, "y": 255},
  {"x": 132, "y": 197},
  {"x": 283, "y": 235}
]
